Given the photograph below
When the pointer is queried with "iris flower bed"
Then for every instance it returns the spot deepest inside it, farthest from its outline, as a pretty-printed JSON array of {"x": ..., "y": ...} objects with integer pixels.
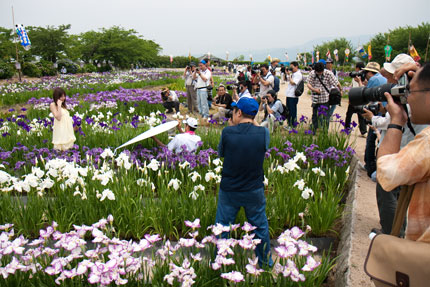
[
  {"x": 94, "y": 255},
  {"x": 150, "y": 190},
  {"x": 17, "y": 93}
]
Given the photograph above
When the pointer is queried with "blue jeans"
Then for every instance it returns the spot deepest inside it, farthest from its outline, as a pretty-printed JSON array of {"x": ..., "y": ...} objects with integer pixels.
[
  {"x": 254, "y": 203},
  {"x": 202, "y": 101},
  {"x": 292, "y": 108},
  {"x": 319, "y": 116},
  {"x": 331, "y": 111}
]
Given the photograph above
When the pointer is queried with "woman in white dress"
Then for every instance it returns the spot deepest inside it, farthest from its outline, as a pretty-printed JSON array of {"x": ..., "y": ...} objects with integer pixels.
[{"x": 63, "y": 136}]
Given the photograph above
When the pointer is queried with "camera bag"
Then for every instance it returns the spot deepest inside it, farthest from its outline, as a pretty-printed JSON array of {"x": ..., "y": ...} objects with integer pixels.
[
  {"x": 393, "y": 261},
  {"x": 334, "y": 95},
  {"x": 300, "y": 88}
]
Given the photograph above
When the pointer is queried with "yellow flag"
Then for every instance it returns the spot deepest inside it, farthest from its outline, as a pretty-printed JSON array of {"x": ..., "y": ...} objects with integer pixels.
[
  {"x": 414, "y": 54},
  {"x": 369, "y": 51}
]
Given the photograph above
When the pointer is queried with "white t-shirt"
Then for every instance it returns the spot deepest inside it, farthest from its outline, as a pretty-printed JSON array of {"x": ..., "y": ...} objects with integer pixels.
[
  {"x": 174, "y": 96},
  {"x": 188, "y": 78},
  {"x": 190, "y": 140},
  {"x": 297, "y": 77},
  {"x": 200, "y": 83},
  {"x": 245, "y": 94},
  {"x": 264, "y": 89}
]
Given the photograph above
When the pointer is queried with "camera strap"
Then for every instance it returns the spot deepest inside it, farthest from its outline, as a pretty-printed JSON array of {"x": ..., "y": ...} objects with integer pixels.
[
  {"x": 411, "y": 128},
  {"x": 322, "y": 83}
]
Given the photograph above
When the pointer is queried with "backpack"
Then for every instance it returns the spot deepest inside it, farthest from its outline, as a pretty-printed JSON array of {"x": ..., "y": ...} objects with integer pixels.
[
  {"x": 276, "y": 84},
  {"x": 285, "y": 112},
  {"x": 300, "y": 89}
]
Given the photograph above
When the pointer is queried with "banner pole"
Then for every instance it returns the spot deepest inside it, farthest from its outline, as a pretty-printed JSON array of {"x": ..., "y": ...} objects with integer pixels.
[{"x": 16, "y": 46}]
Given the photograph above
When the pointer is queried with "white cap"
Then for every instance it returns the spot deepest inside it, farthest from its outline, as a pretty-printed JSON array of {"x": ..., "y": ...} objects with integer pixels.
[
  {"x": 398, "y": 61},
  {"x": 192, "y": 122}
]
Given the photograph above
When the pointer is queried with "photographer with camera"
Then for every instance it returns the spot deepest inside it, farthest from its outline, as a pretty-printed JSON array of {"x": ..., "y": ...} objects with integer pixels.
[
  {"x": 410, "y": 165},
  {"x": 320, "y": 80},
  {"x": 223, "y": 101},
  {"x": 265, "y": 79},
  {"x": 189, "y": 86},
  {"x": 189, "y": 139},
  {"x": 351, "y": 109},
  {"x": 374, "y": 79},
  {"x": 387, "y": 201},
  {"x": 240, "y": 90},
  {"x": 272, "y": 108},
  {"x": 243, "y": 146},
  {"x": 294, "y": 78},
  {"x": 203, "y": 79},
  {"x": 170, "y": 100}
]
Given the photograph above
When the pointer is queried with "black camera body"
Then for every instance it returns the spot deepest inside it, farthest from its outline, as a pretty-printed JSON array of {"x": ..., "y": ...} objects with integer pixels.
[
  {"x": 361, "y": 74},
  {"x": 232, "y": 87},
  {"x": 290, "y": 69},
  {"x": 229, "y": 114},
  {"x": 363, "y": 95},
  {"x": 164, "y": 96},
  {"x": 374, "y": 108}
]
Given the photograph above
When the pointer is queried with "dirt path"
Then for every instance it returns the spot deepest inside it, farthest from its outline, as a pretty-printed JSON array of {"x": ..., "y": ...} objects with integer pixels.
[{"x": 365, "y": 211}]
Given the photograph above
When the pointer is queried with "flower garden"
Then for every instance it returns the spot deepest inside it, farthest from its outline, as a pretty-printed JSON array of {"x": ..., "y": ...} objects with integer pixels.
[{"x": 143, "y": 215}]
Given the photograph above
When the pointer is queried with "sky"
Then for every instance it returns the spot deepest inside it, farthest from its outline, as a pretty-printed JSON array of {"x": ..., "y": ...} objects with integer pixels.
[{"x": 236, "y": 26}]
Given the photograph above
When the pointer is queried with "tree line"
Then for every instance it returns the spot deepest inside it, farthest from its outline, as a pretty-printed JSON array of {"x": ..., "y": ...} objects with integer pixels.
[
  {"x": 86, "y": 52},
  {"x": 397, "y": 38}
]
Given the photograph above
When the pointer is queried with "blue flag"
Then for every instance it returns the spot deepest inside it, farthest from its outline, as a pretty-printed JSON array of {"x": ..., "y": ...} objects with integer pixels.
[{"x": 23, "y": 37}]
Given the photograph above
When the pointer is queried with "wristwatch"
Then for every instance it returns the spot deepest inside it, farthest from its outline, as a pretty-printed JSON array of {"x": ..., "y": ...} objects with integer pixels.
[{"x": 394, "y": 126}]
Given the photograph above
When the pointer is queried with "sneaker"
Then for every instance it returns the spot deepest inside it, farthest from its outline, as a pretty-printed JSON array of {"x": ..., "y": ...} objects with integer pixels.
[{"x": 376, "y": 230}]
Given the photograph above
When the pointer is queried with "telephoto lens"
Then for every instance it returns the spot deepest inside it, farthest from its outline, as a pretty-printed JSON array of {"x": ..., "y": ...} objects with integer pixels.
[{"x": 363, "y": 95}]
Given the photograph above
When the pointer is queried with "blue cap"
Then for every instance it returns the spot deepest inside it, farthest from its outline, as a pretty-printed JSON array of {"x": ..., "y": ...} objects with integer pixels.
[
  {"x": 203, "y": 62},
  {"x": 322, "y": 61},
  {"x": 247, "y": 105}
]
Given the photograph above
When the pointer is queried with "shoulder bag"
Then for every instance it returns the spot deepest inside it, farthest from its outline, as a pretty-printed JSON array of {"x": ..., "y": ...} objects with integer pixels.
[
  {"x": 334, "y": 94},
  {"x": 393, "y": 261}
]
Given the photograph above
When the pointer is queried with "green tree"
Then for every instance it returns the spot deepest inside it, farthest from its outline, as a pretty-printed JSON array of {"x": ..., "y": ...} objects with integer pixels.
[
  {"x": 50, "y": 42},
  {"x": 340, "y": 44},
  {"x": 7, "y": 48},
  {"x": 239, "y": 58},
  {"x": 398, "y": 39},
  {"x": 119, "y": 47}
]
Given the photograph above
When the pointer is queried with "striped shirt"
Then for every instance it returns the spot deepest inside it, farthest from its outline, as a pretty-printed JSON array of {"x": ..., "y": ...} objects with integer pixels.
[
  {"x": 411, "y": 165},
  {"x": 329, "y": 80}
]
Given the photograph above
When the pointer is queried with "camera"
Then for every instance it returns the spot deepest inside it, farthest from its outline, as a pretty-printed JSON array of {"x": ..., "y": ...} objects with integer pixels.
[
  {"x": 164, "y": 96},
  {"x": 197, "y": 69},
  {"x": 232, "y": 87},
  {"x": 361, "y": 74},
  {"x": 363, "y": 95},
  {"x": 290, "y": 69},
  {"x": 265, "y": 97},
  {"x": 229, "y": 114},
  {"x": 374, "y": 108}
]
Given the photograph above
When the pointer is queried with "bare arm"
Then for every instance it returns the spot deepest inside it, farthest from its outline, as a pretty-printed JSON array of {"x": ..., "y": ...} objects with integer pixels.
[
  {"x": 317, "y": 91},
  {"x": 391, "y": 142},
  {"x": 180, "y": 127},
  {"x": 159, "y": 143},
  {"x": 56, "y": 111}
]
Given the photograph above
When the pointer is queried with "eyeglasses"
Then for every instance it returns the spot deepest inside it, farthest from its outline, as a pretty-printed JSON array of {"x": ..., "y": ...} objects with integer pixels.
[{"x": 408, "y": 91}]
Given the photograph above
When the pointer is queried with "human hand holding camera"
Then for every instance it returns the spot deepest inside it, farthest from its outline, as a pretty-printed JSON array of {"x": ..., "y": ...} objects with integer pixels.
[
  {"x": 368, "y": 115},
  {"x": 397, "y": 112}
]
